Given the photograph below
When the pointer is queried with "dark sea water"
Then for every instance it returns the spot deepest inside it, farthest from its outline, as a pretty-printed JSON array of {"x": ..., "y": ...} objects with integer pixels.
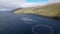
[{"x": 11, "y": 23}]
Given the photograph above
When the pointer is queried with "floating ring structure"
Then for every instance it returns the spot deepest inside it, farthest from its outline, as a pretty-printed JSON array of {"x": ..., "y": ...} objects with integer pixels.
[
  {"x": 42, "y": 29},
  {"x": 28, "y": 20}
]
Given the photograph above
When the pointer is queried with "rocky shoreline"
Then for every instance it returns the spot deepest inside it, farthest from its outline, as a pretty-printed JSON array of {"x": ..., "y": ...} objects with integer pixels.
[{"x": 49, "y": 17}]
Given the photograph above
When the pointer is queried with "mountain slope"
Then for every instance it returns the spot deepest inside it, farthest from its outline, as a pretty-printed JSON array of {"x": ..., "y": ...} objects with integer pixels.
[{"x": 51, "y": 10}]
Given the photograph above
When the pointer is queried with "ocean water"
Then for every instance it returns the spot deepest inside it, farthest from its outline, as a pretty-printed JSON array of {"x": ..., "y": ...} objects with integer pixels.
[{"x": 11, "y": 23}]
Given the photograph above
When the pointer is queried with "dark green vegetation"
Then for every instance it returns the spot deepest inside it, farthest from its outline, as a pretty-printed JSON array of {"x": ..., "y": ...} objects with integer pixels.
[{"x": 50, "y": 10}]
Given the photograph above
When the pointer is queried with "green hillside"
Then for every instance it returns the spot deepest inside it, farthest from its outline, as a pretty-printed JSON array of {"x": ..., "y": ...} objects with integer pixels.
[{"x": 52, "y": 10}]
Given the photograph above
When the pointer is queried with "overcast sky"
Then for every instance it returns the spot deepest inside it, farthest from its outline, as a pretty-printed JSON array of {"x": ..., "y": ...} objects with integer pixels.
[{"x": 11, "y": 4}]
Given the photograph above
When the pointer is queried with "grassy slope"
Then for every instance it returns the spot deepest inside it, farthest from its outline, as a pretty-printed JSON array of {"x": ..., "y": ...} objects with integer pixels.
[{"x": 52, "y": 10}]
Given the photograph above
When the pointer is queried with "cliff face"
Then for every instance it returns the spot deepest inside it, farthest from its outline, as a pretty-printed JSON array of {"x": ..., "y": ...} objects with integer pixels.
[{"x": 51, "y": 10}]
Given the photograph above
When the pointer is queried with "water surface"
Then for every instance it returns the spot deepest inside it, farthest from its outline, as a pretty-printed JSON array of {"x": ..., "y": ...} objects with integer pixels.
[{"x": 11, "y": 23}]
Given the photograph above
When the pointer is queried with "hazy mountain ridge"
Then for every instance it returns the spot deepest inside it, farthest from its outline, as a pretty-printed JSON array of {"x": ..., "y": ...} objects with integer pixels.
[{"x": 50, "y": 10}]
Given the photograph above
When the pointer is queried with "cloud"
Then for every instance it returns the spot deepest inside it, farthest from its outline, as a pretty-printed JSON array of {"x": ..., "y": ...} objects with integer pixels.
[
  {"x": 54, "y": 1},
  {"x": 33, "y": 4},
  {"x": 11, "y": 4},
  {"x": 38, "y": 3}
]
